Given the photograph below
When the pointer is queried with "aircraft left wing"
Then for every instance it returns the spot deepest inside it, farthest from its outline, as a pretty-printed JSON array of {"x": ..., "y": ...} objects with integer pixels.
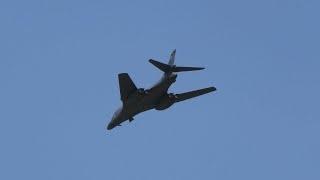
[
  {"x": 126, "y": 86},
  {"x": 192, "y": 94}
]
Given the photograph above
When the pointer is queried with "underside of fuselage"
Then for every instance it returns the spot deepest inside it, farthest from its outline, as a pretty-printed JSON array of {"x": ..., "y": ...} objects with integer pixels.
[{"x": 138, "y": 103}]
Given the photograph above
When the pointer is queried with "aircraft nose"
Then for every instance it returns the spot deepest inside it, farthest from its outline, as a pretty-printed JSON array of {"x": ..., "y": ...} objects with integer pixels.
[{"x": 110, "y": 126}]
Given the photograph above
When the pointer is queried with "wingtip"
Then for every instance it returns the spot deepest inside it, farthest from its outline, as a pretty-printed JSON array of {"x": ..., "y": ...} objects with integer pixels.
[
  {"x": 199, "y": 68},
  {"x": 152, "y": 61},
  {"x": 211, "y": 89},
  {"x": 123, "y": 74}
]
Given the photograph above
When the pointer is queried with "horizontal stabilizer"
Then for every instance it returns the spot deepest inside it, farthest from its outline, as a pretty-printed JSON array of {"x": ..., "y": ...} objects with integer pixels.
[
  {"x": 181, "y": 69},
  {"x": 163, "y": 67},
  {"x": 168, "y": 69},
  {"x": 192, "y": 94}
]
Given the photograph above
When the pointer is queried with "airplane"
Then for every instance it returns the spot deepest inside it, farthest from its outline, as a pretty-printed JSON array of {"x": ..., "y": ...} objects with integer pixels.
[{"x": 135, "y": 101}]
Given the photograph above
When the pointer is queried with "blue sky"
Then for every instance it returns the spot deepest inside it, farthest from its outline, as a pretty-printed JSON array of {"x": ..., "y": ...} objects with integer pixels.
[{"x": 59, "y": 62}]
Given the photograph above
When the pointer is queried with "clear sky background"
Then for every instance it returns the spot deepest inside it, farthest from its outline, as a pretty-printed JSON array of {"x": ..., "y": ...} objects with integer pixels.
[{"x": 59, "y": 62}]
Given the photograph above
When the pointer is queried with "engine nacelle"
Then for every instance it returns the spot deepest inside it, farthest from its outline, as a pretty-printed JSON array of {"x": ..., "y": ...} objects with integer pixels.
[
  {"x": 142, "y": 91},
  {"x": 166, "y": 102}
]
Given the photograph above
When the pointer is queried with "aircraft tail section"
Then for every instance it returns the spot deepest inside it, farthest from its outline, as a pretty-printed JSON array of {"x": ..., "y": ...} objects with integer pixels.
[
  {"x": 170, "y": 67},
  {"x": 163, "y": 67},
  {"x": 172, "y": 58}
]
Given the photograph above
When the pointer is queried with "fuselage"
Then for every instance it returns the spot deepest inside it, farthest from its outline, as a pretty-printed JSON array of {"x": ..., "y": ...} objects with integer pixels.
[{"x": 140, "y": 102}]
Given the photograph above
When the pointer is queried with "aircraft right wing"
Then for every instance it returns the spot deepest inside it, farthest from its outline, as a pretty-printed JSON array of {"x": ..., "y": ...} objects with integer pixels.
[
  {"x": 126, "y": 86},
  {"x": 192, "y": 94}
]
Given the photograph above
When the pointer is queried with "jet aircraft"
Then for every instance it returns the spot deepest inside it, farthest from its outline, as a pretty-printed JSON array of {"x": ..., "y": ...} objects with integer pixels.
[{"x": 136, "y": 100}]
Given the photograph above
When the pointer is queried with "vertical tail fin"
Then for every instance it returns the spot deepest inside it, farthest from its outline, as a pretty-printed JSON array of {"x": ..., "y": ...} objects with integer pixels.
[{"x": 172, "y": 58}]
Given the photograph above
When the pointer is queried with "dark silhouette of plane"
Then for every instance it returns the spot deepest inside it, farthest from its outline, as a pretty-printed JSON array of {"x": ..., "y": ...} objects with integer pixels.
[{"x": 135, "y": 101}]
